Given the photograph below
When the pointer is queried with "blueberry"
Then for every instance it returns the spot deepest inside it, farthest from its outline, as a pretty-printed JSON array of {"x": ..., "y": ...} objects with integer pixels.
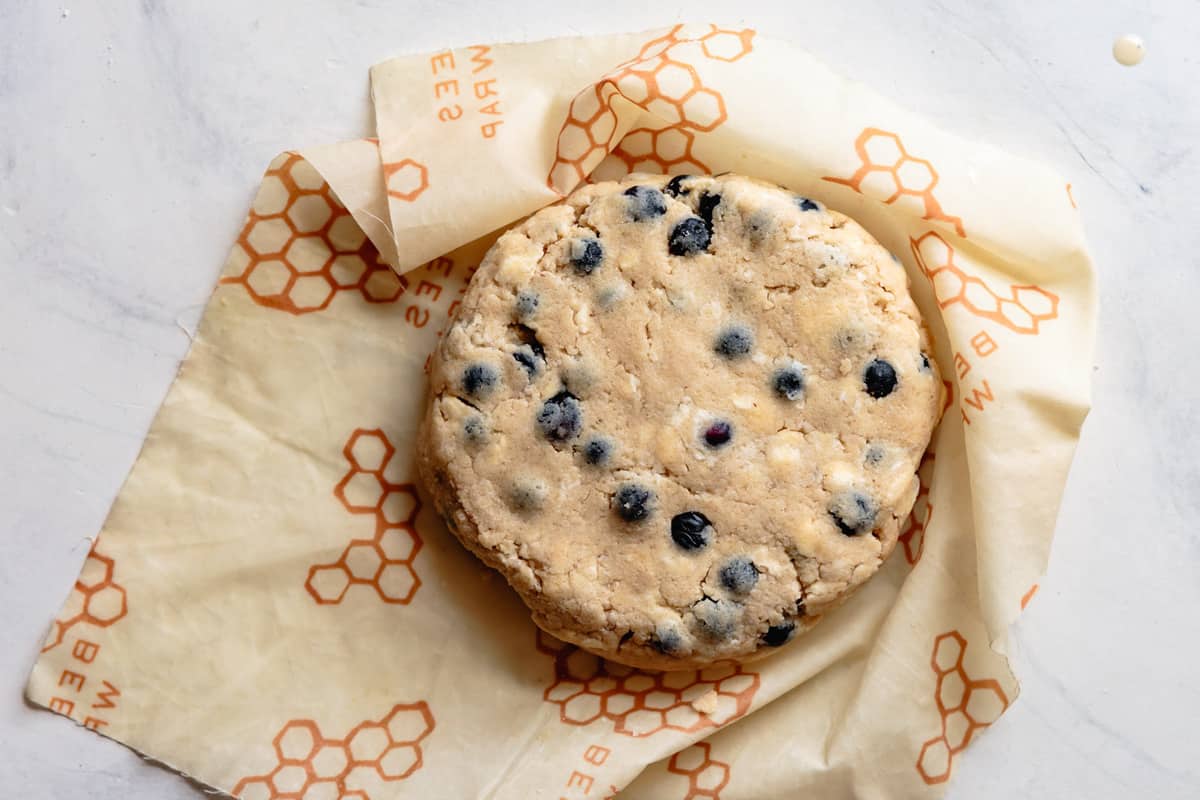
[
  {"x": 716, "y": 617},
  {"x": 531, "y": 352},
  {"x": 527, "y": 304},
  {"x": 738, "y": 575},
  {"x": 777, "y": 635},
  {"x": 734, "y": 342},
  {"x": 633, "y": 502},
  {"x": 759, "y": 226},
  {"x": 925, "y": 363},
  {"x": 586, "y": 255},
  {"x": 478, "y": 380},
  {"x": 525, "y": 357},
  {"x": 805, "y": 204},
  {"x": 645, "y": 202},
  {"x": 789, "y": 382},
  {"x": 666, "y": 641},
  {"x": 874, "y": 454},
  {"x": 689, "y": 236},
  {"x": 597, "y": 451},
  {"x": 691, "y": 530},
  {"x": 854, "y": 513},
  {"x": 705, "y": 208},
  {"x": 718, "y": 433},
  {"x": 674, "y": 186},
  {"x": 474, "y": 429},
  {"x": 527, "y": 495},
  {"x": 879, "y": 378},
  {"x": 561, "y": 417}
]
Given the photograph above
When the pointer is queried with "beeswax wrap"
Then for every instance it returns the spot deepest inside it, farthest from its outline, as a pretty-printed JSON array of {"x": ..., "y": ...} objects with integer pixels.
[{"x": 274, "y": 609}]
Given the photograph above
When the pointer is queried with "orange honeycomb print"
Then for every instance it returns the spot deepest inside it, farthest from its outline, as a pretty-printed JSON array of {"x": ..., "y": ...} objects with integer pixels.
[
  {"x": 96, "y": 599},
  {"x": 661, "y": 80},
  {"x": 385, "y": 561},
  {"x": 889, "y": 173},
  {"x": 587, "y": 688},
  {"x": 965, "y": 706},
  {"x": 667, "y": 151},
  {"x": 406, "y": 179},
  {"x": 312, "y": 766},
  {"x": 913, "y": 535},
  {"x": 300, "y": 246},
  {"x": 706, "y": 776},
  {"x": 1023, "y": 311}
]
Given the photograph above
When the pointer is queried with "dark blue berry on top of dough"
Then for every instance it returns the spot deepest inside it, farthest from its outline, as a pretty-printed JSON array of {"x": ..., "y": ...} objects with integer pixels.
[
  {"x": 478, "y": 380},
  {"x": 525, "y": 357},
  {"x": 586, "y": 255},
  {"x": 674, "y": 186},
  {"x": 705, "y": 208},
  {"x": 633, "y": 502},
  {"x": 853, "y": 513},
  {"x": 804, "y": 204},
  {"x": 689, "y": 236},
  {"x": 527, "y": 304},
  {"x": 879, "y": 378},
  {"x": 788, "y": 382},
  {"x": 925, "y": 363},
  {"x": 474, "y": 429},
  {"x": 666, "y": 641},
  {"x": 530, "y": 354},
  {"x": 734, "y": 342},
  {"x": 778, "y": 635},
  {"x": 691, "y": 530},
  {"x": 597, "y": 451},
  {"x": 738, "y": 575},
  {"x": 645, "y": 202},
  {"x": 718, "y": 433},
  {"x": 561, "y": 417}
]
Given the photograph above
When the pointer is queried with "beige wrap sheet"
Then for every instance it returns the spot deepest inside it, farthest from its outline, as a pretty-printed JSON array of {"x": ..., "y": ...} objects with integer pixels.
[{"x": 272, "y": 608}]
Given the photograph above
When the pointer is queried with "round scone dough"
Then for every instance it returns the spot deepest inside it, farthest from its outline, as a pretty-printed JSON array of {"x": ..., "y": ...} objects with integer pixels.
[{"x": 682, "y": 416}]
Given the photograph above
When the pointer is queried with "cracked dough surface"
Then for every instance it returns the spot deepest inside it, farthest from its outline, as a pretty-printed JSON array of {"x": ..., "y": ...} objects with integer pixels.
[{"x": 682, "y": 418}]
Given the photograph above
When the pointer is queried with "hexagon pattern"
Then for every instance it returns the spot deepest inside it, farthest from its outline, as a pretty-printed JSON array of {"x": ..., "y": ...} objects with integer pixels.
[
  {"x": 662, "y": 80},
  {"x": 667, "y": 151},
  {"x": 300, "y": 246},
  {"x": 385, "y": 561},
  {"x": 965, "y": 706},
  {"x": 889, "y": 173},
  {"x": 706, "y": 776},
  {"x": 1023, "y": 311},
  {"x": 311, "y": 766},
  {"x": 912, "y": 537},
  {"x": 587, "y": 688},
  {"x": 96, "y": 599},
  {"x": 406, "y": 179}
]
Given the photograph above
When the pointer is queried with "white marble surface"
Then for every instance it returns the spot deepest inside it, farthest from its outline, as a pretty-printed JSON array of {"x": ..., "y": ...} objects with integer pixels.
[{"x": 133, "y": 133}]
